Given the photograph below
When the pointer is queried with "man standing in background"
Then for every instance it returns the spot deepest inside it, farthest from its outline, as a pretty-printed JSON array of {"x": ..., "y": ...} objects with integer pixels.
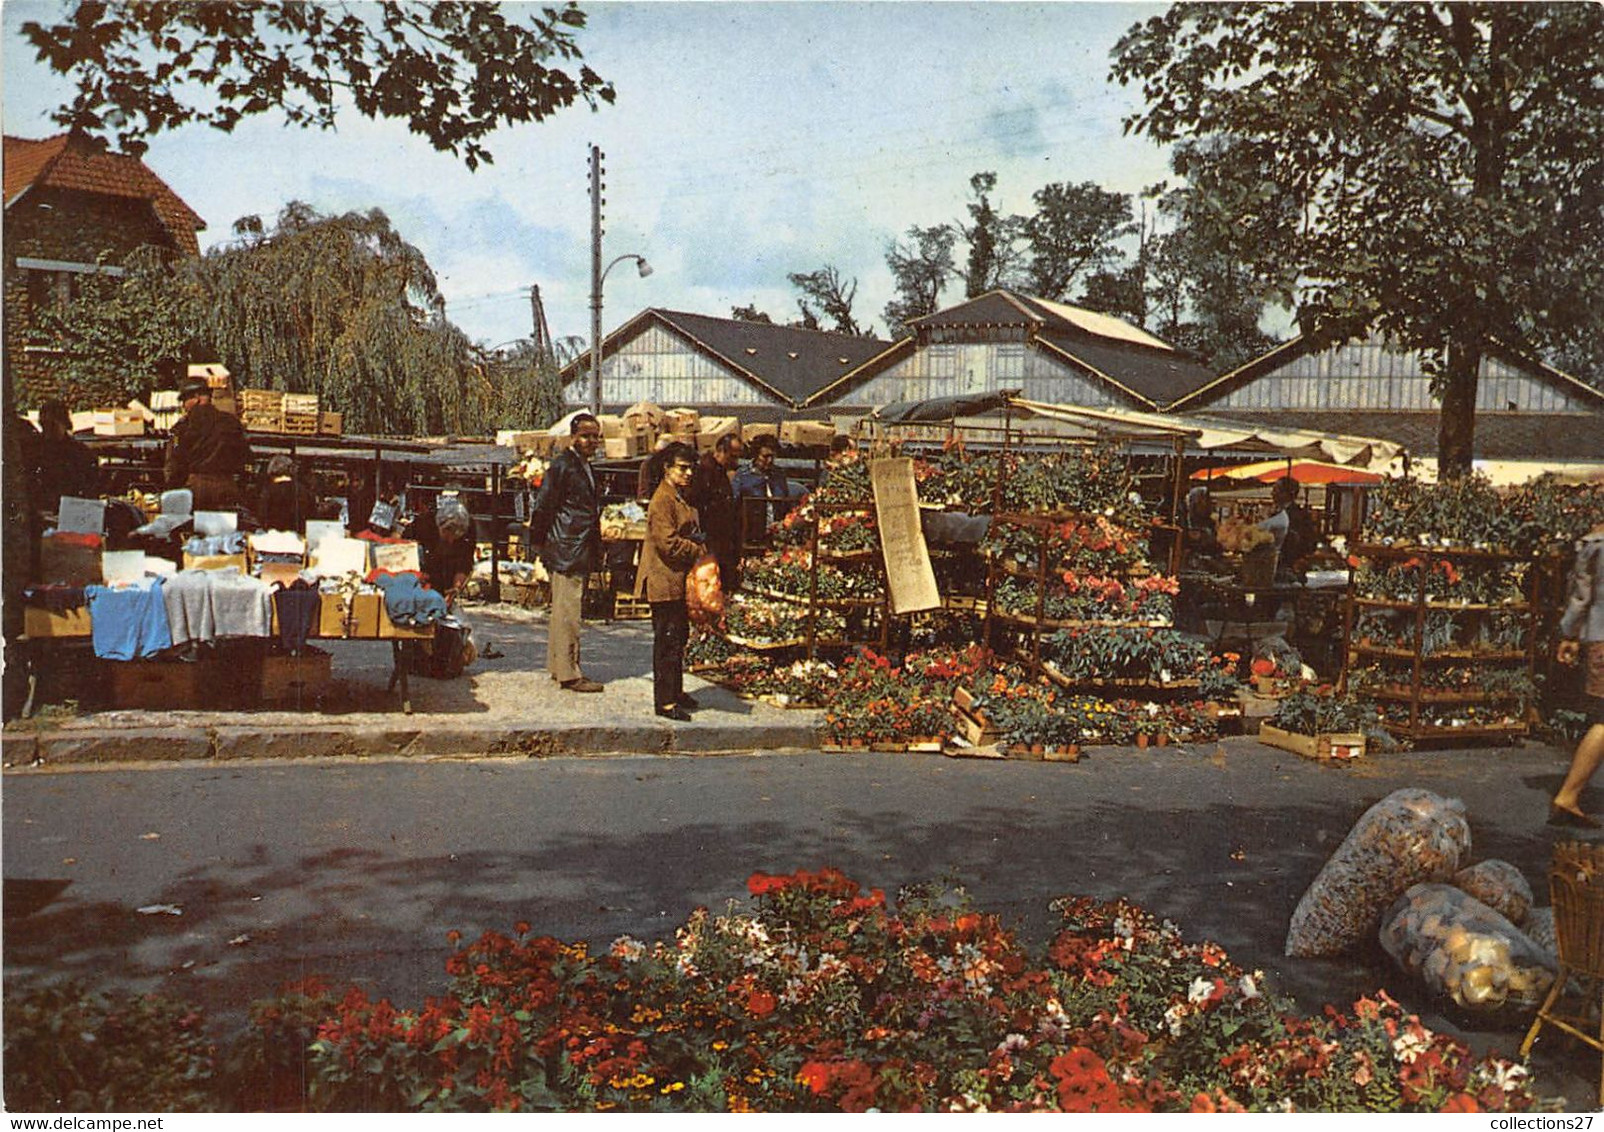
[
  {"x": 208, "y": 452},
  {"x": 714, "y": 499}
]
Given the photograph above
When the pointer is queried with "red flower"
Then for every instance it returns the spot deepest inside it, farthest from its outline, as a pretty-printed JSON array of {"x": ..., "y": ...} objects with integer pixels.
[{"x": 760, "y": 1004}]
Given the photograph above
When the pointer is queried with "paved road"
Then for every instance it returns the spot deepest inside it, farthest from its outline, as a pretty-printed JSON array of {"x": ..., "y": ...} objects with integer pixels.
[{"x": 356, "y": 869}]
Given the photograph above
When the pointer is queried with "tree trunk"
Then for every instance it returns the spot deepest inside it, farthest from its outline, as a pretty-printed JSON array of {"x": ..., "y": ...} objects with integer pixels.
[{"x": 1457, "y": 426}]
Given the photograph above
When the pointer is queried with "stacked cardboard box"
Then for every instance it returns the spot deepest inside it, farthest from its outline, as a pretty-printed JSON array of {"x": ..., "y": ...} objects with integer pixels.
[{"x": 119, "y": 422}]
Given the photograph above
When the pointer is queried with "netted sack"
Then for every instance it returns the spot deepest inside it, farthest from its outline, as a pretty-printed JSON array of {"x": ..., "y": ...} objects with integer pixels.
[
  {"x": 1408, "y": 837},
  {"x": 704, "y": 593},
  {"x": 1500, "y": 886},
  {"x": 1464, "y": 951},
  {"x": 1539, "y": 928}
]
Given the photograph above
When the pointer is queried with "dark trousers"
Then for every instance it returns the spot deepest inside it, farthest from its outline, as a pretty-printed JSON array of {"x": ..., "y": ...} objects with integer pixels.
[{"x": 671, "y": 628}]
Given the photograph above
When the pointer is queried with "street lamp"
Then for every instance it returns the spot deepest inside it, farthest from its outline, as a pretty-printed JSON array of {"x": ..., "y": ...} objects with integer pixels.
[{"x": 598, "y": 277}]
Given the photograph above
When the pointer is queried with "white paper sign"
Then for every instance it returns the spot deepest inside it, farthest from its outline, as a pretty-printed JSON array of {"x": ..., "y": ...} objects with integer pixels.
[
  {"x": 396, "y": 557},
  {"x": 120, "y": 566},
  {"x": 335, "y": 556},
  {"x": 81, "y": 516},
  {"x": 319, "y": 529},
  {"x": 209, "y": 523}
]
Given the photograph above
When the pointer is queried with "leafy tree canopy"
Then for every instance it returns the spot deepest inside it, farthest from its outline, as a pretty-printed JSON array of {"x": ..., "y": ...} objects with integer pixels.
[
  {"x": 1073, "y": 233},
  {"x": 920, "y": 269},
  {"x": 454, "y": 72},
  {"x": 1434, "y": 171}
]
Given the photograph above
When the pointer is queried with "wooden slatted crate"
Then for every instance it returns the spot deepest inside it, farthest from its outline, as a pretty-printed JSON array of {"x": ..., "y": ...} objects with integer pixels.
[{"x": 300, "y": 424}]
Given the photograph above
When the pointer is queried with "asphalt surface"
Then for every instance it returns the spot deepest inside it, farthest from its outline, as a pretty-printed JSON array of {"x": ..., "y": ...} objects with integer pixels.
[{"x": 356, "y": 869}]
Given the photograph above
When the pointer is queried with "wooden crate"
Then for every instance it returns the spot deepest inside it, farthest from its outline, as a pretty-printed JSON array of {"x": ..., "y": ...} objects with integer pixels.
[
  {"x": 300, "y": 424},
  {"x": 37, "y": 622},
  {"x": 261, "y": 420},
  {"x": 300, "y": 403},
  {"x": 146, "y": 685},
  {"x": 266, "y": 400},
  {"x": 1340, "y": 746},
  {"x": 330, "y": 424},
  {"x": 294, "y": 679},
  {"x": 627, "y": 607}
]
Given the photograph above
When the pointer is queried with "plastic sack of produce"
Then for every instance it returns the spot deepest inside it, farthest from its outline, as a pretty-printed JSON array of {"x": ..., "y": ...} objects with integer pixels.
[
  {"x": 1408, "y": 837},
  {"x": 1464, "y": 951},
  {"x": 1500, "y": 886},
  {"x": 704, "y": 594}
]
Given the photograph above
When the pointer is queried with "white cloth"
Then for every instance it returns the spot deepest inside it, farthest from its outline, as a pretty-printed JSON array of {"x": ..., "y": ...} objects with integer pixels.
[{"x": 1277, "y": 526}]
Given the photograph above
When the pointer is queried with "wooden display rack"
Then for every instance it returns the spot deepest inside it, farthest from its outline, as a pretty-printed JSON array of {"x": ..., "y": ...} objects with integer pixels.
[{"x": 1414, "y": 692}]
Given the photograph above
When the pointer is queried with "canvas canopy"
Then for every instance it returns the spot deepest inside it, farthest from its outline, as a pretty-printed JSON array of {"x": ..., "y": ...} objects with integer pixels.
[{"x": 1301, "y": 471}]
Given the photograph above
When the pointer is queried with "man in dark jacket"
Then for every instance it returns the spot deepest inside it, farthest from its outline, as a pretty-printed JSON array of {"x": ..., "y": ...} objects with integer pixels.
[
  {"x": 566, "y": 525},
  {"x": 714, "y": 499},
  {"x": 208, "y": 452}
]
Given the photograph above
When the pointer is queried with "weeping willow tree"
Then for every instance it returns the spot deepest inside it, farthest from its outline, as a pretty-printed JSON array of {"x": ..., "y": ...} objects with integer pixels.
[{"x": 343, "y": 307}]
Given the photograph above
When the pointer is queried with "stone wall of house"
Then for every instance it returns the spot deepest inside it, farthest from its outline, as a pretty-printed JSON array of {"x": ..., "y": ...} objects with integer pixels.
[{"x": 74, "y": 227}]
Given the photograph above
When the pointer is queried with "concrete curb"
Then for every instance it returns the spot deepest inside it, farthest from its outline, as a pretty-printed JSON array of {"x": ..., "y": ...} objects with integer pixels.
[{"x": 426, "y": 740}]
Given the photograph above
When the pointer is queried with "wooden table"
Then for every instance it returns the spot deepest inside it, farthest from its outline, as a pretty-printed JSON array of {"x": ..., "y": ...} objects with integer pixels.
[{"x": 366, "y": 620}]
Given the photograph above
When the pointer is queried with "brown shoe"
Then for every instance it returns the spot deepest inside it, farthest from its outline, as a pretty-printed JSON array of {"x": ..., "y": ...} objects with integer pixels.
[{"x": 582, "y": 685}]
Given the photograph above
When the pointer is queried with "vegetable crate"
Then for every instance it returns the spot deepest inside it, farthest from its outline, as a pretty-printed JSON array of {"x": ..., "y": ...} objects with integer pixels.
[
  {"x": 628, "y": 608},
  {"x": 300, "y": 424},
  {"x": 1331, "y": 746}
]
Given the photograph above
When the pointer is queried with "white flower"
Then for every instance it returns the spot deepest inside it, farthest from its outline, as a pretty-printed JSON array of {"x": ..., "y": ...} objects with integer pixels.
[
  {"x": 1200, "y": 990},
  {"x": 628, "y": 948},
  {"x": 1013, "y": 1042},
  {"x": 1173, "y": 1017},
  {"x": 1249, "y": 988},
  {"x": 1409, "y": 1045}
]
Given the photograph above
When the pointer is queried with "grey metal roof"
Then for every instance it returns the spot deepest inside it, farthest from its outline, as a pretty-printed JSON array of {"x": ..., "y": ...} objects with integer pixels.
[{"x": 790, "y": 361}]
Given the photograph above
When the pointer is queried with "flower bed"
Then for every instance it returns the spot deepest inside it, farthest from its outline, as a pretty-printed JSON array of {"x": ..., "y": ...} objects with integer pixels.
[{"x": 820, "y": 997}]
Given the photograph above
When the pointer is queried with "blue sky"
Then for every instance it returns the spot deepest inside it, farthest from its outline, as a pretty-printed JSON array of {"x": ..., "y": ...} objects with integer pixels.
[{"x": 748, "y": 140}]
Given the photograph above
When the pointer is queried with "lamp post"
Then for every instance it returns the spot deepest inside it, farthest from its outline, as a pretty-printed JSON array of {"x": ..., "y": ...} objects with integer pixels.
[{"x": 598, "y": 277}]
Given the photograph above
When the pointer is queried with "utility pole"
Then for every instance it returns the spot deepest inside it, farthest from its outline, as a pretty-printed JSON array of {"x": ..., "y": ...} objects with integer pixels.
[
  {"x": 541, "y": 332},
  {"x": 595, "y": 278}
]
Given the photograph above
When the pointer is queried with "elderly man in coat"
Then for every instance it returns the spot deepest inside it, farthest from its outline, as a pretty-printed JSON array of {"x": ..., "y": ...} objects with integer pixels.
[{"x": 566, "y": 525}]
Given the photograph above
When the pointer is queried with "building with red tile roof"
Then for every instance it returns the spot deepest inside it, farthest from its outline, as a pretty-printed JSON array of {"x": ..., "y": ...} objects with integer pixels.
[{"x": 73, "y": 209}]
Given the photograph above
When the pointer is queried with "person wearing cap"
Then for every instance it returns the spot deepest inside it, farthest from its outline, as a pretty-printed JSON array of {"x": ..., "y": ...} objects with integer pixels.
[{"x": 208, "y": 451}]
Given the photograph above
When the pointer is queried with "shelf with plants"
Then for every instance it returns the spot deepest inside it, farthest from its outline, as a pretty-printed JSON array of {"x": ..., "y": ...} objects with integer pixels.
[
  {"x": 822, "y": 584},
  {"x": 1443, "y": 628}
]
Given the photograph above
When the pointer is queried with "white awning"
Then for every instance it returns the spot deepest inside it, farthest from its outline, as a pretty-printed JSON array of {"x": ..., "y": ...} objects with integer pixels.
[{"x": 1212, "y": 433}]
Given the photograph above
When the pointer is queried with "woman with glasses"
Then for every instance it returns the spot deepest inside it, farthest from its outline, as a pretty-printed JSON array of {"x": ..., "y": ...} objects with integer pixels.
[{"x": 674, "y": 541}]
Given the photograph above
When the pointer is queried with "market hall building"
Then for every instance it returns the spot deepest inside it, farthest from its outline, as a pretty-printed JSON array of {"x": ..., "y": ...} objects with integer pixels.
[
  {"x": 1050, "y": 351},
  {"x": 1527, "y": 412},
  {"x": 756, "y": 371}
]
